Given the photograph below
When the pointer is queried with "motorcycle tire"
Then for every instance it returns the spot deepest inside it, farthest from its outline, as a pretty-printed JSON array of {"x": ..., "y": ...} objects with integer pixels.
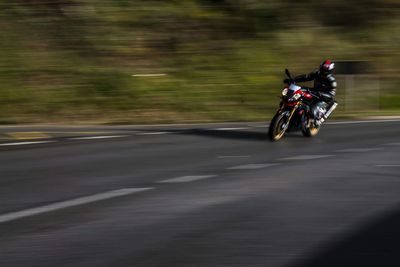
[
  {"x": 310, "y": 129},
  {"x": 276, "y": 130}
]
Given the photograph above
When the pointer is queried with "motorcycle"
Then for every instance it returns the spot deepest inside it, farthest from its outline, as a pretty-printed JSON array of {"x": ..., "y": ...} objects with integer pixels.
[{"x": 299, "y": 109}]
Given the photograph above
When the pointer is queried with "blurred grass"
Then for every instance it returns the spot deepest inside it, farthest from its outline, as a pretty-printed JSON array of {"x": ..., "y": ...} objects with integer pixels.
[{"x": 69, "y": 61}]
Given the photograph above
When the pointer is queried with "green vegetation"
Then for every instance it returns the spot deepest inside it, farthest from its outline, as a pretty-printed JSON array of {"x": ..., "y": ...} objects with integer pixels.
[{"x": 76, "y": 61}]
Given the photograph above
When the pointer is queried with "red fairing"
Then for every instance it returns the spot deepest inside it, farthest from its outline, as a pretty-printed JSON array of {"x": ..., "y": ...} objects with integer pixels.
[
  {"x": 307, "y": 95},
  {"x": 304, "y": 94}
]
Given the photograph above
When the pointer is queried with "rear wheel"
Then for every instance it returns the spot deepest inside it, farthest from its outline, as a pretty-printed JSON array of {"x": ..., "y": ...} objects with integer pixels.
[
  {"x": 277, "y": 127},
  {"x": 309, "y": 128}
]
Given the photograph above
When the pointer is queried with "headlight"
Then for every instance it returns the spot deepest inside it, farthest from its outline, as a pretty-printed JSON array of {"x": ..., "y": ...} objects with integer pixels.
[{"x": 284, "y": 91}]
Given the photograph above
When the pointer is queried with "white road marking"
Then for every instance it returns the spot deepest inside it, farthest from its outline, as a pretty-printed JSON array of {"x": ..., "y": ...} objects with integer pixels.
[
  {"x": 392, "y": 144},
  {"x": 26, "y": 143},
  {"x": 251, "y": 166},
  {"x": 388, "y": 165},
  {"x": 185, "y": 179},
  {"x": 306, "y": 157},
  {"x": 70, "y": 203},
  {"x": 231, "y": 128},
  {"x": 356, "y": 150},
  {"x": 150, "y": 75},
  {"x": 341, "y": 122},
  {"x": 97, "y": 137},
  {"x": 232, "y": 157},
  {"x": 366, "y": 121},
  {"x": 152, "y": 133}
]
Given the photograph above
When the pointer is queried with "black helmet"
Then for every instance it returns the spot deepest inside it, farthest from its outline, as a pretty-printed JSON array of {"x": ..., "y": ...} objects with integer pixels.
[{"x": 326, "y": 67}]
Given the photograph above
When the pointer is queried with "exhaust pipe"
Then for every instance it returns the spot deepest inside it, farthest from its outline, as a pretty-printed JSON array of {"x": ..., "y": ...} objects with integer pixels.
[{"x": 329, "y": 112}]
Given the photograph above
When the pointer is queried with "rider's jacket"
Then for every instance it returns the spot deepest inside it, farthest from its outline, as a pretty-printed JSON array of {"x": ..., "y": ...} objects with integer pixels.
[{"x": 322, "y": 83}]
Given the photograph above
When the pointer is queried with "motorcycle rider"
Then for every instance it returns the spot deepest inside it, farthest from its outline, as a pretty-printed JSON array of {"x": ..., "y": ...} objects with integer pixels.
[{"x": 324, "y": 86}]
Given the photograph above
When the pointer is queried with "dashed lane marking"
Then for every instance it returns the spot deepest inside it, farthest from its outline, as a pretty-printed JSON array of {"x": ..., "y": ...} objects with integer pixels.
[
  {"x": 252, "y": 166},
  {"x": 341, "y": 122},
  {"x": 366, "y": 121},
  {"x": 388, "y": 165},
  {"x": 259, "y": 126},
  {"x": 231, "y": 129},
  {"x": 185, "y": 179},
  {"x": 152, "y": 133},
  {"x": 26, "y": 143},
  {"x": 86, "y": 133},
  {"x": 98, "y": 137},
  {"x": 70, "y": 203},
  {"x": 233, "y": 157},
  {"x": 306, "y": 157},
  {"x": 357, "y": 150},
  {"x": 392, "y": 144}
]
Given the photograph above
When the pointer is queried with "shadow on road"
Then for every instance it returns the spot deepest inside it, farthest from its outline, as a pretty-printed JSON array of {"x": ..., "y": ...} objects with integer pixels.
[
  {"x": 378, "y": 244},
  {"x": 232, "y": 134}
]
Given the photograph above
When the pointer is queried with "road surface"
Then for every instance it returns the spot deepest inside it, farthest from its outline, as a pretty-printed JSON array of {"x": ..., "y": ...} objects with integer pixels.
[{"x": 210, "y": 195}]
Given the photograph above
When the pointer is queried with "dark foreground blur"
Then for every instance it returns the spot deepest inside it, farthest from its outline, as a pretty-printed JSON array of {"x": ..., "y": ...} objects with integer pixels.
[{"x": 188, "y": 61}]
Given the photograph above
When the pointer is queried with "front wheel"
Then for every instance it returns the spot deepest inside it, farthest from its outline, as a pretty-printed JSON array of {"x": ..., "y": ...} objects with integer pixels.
[
  {"x": 309, "y": 128},
  {"x": 278, "y": 126}
]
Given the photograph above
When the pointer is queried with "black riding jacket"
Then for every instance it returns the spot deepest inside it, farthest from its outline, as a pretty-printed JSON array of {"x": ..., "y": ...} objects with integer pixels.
[{"x": 322, "y": 83}]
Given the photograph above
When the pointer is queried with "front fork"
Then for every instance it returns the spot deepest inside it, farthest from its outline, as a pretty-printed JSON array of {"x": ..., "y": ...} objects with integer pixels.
[{"x": 286, "y": 125}]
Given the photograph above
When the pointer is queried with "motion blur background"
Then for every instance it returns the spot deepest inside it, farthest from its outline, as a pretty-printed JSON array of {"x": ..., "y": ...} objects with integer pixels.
[{"x": 80, "y": 61}]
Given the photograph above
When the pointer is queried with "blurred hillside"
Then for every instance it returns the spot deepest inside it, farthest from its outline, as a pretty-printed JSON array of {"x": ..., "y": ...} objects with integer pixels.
[{"x": 222, "y": 60}]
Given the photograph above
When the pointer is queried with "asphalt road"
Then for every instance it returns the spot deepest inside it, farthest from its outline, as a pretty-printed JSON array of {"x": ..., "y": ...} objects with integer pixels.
[{"x": 210, "y": 195}]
